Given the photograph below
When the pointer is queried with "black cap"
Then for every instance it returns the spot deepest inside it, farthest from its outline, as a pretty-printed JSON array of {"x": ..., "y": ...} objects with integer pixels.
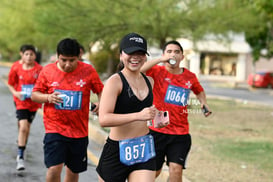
[{"x": 133, "y": 42}]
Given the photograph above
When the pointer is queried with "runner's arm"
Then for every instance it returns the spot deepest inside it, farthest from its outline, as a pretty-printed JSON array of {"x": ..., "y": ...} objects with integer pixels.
[{"x": 149, "y": 64}]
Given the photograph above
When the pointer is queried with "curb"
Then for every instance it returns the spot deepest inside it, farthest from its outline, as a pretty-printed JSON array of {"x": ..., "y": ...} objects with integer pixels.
[
  {"x": 7, "y": 64},
  {"x": 98, "y": 136}
]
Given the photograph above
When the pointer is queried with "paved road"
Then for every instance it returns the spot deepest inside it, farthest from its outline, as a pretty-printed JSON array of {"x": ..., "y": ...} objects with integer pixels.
[
  {"x": 243, "y": 93},
  {"x": 35, "y": 169}
]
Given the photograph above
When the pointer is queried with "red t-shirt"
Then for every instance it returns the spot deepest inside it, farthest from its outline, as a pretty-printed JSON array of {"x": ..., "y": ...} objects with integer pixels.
[
  {"x": 171, "y": 93},
  {"x": 24, "y": 80},
  {"x": 12, "y": 73},
  {"x": 71, "y": 121}
]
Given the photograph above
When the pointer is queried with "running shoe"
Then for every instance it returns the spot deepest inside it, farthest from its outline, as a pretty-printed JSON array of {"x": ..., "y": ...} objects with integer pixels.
[{"x": 20, "y": 164}]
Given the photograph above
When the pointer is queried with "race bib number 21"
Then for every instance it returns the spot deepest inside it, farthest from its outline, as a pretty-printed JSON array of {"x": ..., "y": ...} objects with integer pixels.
[{"x": 72, "y": 100}]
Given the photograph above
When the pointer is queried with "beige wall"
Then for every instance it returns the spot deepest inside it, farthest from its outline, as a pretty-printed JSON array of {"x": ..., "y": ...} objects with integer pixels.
[{"x": 264, "y": 64}]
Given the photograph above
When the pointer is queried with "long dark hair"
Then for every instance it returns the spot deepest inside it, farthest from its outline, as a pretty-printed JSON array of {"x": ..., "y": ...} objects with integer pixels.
[{"x": 120, "y": 66}]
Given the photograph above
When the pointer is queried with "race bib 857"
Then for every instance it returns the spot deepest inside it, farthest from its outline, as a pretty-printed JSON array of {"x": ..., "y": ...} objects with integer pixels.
[{"x": 136, "y": 150}]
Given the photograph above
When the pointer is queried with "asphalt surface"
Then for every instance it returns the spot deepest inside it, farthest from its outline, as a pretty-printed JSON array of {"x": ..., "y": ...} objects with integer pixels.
[{"x": 242, "y": 92}]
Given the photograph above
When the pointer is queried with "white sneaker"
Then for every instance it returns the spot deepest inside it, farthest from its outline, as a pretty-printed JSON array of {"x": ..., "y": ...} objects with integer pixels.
[{"x": 20, "y": 164}]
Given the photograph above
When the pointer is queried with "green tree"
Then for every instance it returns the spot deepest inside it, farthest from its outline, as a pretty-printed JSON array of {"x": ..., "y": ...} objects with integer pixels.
[
  {"x": 16, "y": 26},
  {"x": 106, "y": 21},
  {"x": 262, "y": 39}
]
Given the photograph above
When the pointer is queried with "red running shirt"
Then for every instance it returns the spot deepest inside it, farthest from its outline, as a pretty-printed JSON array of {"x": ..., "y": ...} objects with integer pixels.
[
  {"x": 21, "y": 79},
  {"x": 13, "y": 73},
  {"x": 171, "y": 93},
  {"x": 72, "y": 121}
]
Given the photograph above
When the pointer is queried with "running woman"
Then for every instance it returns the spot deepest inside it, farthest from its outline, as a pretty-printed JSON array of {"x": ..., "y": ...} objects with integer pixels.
[{"x": 126, "y": 105}]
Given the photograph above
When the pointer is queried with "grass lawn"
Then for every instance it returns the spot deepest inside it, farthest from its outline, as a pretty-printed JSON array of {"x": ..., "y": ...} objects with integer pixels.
[{"x": 234, "y": 144}]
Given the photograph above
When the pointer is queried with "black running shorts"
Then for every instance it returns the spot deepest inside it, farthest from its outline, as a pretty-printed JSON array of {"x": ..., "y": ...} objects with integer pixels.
[
  {"x": 72, "y": 152},
  {"x": 25, "y": 114},
  {"x": 111, "y": 169},
  {"x": 173, "y": 147}
]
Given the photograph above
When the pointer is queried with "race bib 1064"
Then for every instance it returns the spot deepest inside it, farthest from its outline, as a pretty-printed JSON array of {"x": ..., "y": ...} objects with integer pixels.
[
  {"x": 177, "y": 95},
  {"x": 72, "y": 100},
  {"x": 136, "y": 150}
]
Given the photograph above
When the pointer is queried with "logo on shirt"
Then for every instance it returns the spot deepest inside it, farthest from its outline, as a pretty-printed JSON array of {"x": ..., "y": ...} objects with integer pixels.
[
  {"x": 168, "y": 80},
  {"x": 54, "y": 84},
  {"x": 188, "y": 84},
  {"x": 81, "y": 83}
]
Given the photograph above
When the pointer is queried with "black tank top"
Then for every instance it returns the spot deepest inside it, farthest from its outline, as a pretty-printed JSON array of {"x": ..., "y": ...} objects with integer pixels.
[{"x": 127, "y": 102}]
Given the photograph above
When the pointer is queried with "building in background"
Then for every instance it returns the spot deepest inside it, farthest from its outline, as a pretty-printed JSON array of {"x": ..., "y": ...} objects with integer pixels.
[{"x": 219, "y": 60}]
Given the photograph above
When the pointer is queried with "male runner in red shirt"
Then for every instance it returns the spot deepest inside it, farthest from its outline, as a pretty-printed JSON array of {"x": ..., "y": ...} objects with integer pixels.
[
  {"x": 22, "y": 77},
  {"x": 172, "y": 86},
  {"x": 66, "y": 117},
  {"x": 15, "y": 65}
]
